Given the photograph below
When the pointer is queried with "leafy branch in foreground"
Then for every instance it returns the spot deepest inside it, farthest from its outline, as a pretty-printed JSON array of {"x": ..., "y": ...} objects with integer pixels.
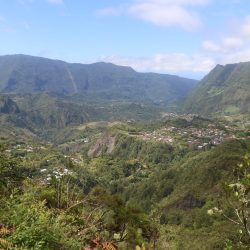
[
  {"x": 239, "y": 201},
  {"x": 240, "y": 191}
]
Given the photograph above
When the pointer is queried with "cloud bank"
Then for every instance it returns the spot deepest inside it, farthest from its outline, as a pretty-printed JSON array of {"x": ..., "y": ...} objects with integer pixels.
[
  {"x": 180, "y": 13},
  {"x": 165, "y": 63},
  {"x": 231, "y": 47}
]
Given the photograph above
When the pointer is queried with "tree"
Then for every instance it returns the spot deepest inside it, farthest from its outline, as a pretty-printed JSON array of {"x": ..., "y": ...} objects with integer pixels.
[
  {"x": 238, "y": 199},
  {"x": 12, "y": 173}
]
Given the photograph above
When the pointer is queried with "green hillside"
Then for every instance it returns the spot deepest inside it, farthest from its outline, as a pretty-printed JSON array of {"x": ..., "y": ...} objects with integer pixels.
[
  {"x": 50, "y": 116},
  {"x": 27, "y": 74},
  {"x": 225, "y": 90},
  {"x": 90, "y": 158},
  {"x": 134, "y": 193}
]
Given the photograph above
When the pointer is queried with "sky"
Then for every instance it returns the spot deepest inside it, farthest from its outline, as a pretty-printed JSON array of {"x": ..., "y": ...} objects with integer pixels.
[{"x": 181, "y": 37}]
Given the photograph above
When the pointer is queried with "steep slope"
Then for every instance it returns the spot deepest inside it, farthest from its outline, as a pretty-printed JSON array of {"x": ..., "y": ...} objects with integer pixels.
[
  {"x": 13, "y": 121},
  {"x": 7, "y": 106},
  {"x": 45, "y": 111},
  {"x": 185, "y": 191},
  {"x": 28, "y": 74},
  {"x": 48, "y": 116},
  {"x": 226, "y": 90},
  {"x": 39, "y": 112}
]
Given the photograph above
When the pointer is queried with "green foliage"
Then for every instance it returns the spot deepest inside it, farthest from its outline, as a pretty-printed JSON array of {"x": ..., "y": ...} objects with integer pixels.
[
  {"x": 11, "y": 171},
  {"x": 143, "y": 193},
  {"x": 225, "y": 90},
  {"x": 151, "y": 153},
  {"x": 135, "y": 193},
  {"x": 126, "y": 220},
  {"x": 239, "y": 199},
  {"x": 35, "y": 225},
  {"x": 105, "y": 81}
]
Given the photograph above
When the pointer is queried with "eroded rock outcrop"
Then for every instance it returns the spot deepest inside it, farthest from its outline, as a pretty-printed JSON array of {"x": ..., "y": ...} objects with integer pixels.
[{"x": 105, "y": 144}]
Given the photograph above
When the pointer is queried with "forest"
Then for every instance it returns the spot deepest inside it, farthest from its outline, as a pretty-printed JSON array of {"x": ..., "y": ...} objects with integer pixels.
[{"x": 138, "y": 195}]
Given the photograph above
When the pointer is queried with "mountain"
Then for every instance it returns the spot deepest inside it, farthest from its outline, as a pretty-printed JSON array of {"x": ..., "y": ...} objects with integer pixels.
[
  {"x": 41, "y": 112},
  {"x": 226, "y": 90},
  {"x": 22, "y": 74},
  {"x": 45, "y": 111},
  {"x": 48, "y": 116},
  {"x": 7, "y": 106}
]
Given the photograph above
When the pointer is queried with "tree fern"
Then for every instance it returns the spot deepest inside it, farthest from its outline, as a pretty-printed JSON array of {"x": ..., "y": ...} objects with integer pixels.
[{"x": 5, "y": 244}]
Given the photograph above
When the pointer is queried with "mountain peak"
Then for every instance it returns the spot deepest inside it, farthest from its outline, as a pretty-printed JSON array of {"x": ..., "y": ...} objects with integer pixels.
[
  {"x": 226, "y": 89},
  {"x": 28, "y": 74}
]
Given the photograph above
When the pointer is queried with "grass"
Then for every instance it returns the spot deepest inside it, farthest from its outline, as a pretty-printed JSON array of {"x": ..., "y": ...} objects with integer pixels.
[{"x": 231, "y": 110}]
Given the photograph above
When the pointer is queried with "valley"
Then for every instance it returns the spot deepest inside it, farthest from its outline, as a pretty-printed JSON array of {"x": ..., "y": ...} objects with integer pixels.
[
  {"x": 120, "y": 158},
  {"x": 125, "y": 125}
]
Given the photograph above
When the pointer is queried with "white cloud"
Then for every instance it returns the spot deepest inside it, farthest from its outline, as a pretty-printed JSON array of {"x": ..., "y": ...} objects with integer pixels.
[
  {"x": 225, "y": 45},
  {"x": 233, "y": 47},
  {"x": 165, "y": 63},
  {"x": 245, "y": 28},
  {"x": 162, "y": 12},
  {"x": 236, "y": 57},
  {"x": 211, "y": 46},
  {"x": 179, "y": 63},
  {"x": 237, "y": 40},
  {"x": 176, "y": 2},
  {"x": 2, "y": 19},
  {"x": 165, "y": 15},
  {"x": 232, "y": 42}
]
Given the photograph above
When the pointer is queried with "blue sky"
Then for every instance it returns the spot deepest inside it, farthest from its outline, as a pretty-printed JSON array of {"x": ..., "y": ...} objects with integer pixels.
[{"x": 184, "y": 37}]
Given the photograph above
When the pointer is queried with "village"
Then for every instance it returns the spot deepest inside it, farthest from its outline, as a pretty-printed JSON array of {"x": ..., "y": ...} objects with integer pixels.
[
  {"x": 190, "y": 136},
  {"x": 198, "y": 137}
]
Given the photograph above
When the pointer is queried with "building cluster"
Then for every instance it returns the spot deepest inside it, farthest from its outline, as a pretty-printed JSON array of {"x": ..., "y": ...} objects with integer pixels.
[
  {"x": 26, "y": 148},
  {"x": 187, "y": 117},
  {"x": 192, "y": 136}
]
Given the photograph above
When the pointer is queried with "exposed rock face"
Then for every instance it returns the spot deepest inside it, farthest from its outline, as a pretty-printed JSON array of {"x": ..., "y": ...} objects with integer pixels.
[
  {"x": 8, "y": 106},
  {"x": 189, "y": 202},
  {"x": 105, "y": 144}
]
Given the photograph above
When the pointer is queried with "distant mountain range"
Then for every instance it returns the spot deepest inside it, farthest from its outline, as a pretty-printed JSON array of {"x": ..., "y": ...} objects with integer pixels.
[
  {"x": 22, "y": 74},
  {"x": 40, "y": 94},
  {"x": 225, "y": 90}
]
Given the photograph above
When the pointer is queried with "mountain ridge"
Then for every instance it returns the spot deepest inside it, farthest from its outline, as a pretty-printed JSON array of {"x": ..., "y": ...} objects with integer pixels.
[
  {"x": 23, "y": 74},
  {"x": 224, "y": 90}
]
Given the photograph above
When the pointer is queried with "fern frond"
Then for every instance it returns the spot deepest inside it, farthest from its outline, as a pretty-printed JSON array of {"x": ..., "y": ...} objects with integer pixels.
[
  {"x": 5, "y": 243},
  {"x": 4, "y": 231},
  {"x": 109, "y": 246}
]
